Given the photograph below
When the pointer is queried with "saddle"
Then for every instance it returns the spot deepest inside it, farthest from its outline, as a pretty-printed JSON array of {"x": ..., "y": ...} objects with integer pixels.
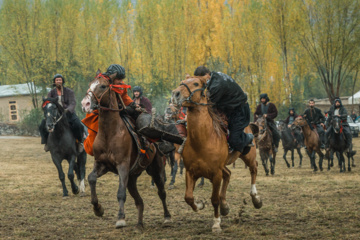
[{"x": 143, "y": 146}]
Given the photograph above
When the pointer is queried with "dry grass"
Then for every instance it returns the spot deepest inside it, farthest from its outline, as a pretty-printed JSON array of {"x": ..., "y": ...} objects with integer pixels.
[{"x": 298, "y": 204}]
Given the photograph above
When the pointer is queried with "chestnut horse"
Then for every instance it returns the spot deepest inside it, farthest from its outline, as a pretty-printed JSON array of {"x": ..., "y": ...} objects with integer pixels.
[
  {"x": 201, "y": 157},
  {"x": 311, "y": 140},
  {"x": 115, "y": 151},
  {"x": 265, "y": 144}
]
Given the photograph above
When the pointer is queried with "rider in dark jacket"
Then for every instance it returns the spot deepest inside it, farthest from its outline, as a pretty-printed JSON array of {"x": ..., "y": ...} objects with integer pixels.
[
  {"x": 269, "y": 111},
  {"x": 314, "y": 116},
  {"x": 230, "y": 99},
  {"x": 291, "y": 118},
  {"x": 340, "y": 111},
  {"x": 66, "y": 98},
  {"x": 141, "y": 100}
]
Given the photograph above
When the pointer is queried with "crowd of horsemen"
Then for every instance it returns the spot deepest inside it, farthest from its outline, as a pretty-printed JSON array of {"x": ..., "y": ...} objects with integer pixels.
[{"x": 225, "y": 95}]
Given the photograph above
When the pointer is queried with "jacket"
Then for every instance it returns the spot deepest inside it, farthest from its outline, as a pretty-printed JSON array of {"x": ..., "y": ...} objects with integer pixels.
[
  {"x": 271, "y": 112},
  {"x": 67, "y": 99},
  {"x": 314, "y": 115}
]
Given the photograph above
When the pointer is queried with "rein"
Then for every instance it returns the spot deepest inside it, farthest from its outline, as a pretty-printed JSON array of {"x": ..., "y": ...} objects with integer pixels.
[{"x": 188, "y": 99}]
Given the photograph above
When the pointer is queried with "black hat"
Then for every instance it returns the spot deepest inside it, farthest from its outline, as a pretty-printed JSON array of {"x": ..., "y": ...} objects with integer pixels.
[
  {"x": 264, "y": 95},
  {"x": 137, "y": 89},
  {"x": 116, "y": 68},
  {"x": 58, "y": 75}
]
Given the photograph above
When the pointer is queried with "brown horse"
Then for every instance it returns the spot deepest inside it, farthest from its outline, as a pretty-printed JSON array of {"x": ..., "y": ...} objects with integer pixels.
[
  {"x": 311, "y": 140},
  {"x": 264, "y": 141},
  {"x": 201, "y": 157},
  {"x": 116, "y": 151}
]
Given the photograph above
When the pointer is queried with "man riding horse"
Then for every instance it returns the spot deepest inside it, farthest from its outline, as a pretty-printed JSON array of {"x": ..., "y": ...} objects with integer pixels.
[
  {"x": 269, "y": 111},
  {"x": 66, "y": 98},
  {"x": 141, "y": 100},
  {"x": 315, "y": 117},
  {"x": 340, "y": 111},
  {"x": 291, "y": 118},
  {"x": 230, "y": 99},
  {"x": 142, "y": 117}
]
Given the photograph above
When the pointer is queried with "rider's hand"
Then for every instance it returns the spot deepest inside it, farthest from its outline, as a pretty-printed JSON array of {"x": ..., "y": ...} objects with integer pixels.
[
  {"x": 289, "y": 125},
  {"x": 265, "y": 115}
]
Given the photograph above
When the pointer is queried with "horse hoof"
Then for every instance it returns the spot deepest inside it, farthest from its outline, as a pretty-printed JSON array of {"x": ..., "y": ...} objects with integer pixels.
[
  {"x": 99, "y": 211},
  {"x": 299, "y": 166},
  {"x": 167, "y": 222},
  {"x": 76, "y": 191},
  {"x": 216, "y": 227},
  {"x": 171, "y": 187},
  {"x": 120, "y": 223},
  {"x": 267, "y": 174},
  {"x": 224, "y": 210},
  {"x": 82, "y": 194},
  {"x": 288, "y": 165},
  {"x": 200, "y": 185},
  {"x": 256, "y": 201},
  {"x": 349, "y": 169},
  {"x": 321, "y": 169},
  {"x": 200, "y": 205},
  {"x": 65, "y": 197}
]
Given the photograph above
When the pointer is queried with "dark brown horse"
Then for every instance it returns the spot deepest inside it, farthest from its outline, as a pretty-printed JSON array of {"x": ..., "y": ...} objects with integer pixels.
[
  {"x": 311, "y": 140},
  {"x": 206, "y": 151},
  {"x": 265, "y": 144},
  {"x": 116, "y": 151}
]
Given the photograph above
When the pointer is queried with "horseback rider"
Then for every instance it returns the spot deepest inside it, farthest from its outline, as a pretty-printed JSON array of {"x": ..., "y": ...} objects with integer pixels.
[
  {"x": 314, "y": 116},
  {"x": 66, "y": 99},
  {"x": 291, "y": 118},
  {"x": 230, "y": 99},
  {"x": 142, "y": 117},
  {"x": 141, "y": 100},
  {"x": 338, "y": 110},
  {"x": 269, "y": 111}
]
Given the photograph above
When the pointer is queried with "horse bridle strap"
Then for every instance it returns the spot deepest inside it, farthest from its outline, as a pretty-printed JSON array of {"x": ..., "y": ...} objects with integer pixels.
[{"x": 188, "y": 99}]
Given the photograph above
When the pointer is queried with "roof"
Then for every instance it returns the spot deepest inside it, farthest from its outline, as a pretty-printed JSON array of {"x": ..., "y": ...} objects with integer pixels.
[
  {"x": 16, "y": 89},
  {"x": 356, "y": 97}
]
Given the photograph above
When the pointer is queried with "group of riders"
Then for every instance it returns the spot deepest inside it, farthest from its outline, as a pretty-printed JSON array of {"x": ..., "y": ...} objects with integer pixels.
[{"x": 222, "y": 91}]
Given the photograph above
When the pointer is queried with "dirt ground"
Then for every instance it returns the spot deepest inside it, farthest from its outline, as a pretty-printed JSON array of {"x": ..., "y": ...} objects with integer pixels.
[{"x": 297, "y": 203}]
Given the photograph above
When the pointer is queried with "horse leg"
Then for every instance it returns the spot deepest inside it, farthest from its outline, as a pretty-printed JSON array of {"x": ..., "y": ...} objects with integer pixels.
[
  {"x": 173, "y": 175},
  {"x": 264, "y": 163},
  {"x": 300, "y": 155},
  {"x": 313, "y": 161},
  {"x": 292, "y": 157},
  {"x": 349, "y": 160},
  {"x": 189, "y": 192},
  {"x": 97, "y": 172},
  {"x": 224, "y": 207},
  {"x": 284, "y": 156},
  {"x": 157, "y": 171},
  {"x": 132, "y": 188},
  {"x": 57, "y": 161},
  {"x": 215, "y": 200},
  {"x": 253, "y": 165},
  {"x": 123, "y": 171},
  {"x": 71, "y": 176},
  {"x": 331, "y": 158},
  {"x": 181, "y": 166},
  {"x": 273, "y": 162},
  {"x": 321, "y": 157},
  {"x": 81, "y": 161}
]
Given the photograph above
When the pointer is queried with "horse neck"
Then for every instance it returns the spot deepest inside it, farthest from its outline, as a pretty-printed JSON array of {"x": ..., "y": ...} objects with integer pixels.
[
  {"x": 110, "y": 121},
  {"x": 286, "y": 135},
  {"x": 199, "y": 122},
  {"x": 306, "y": 130}
]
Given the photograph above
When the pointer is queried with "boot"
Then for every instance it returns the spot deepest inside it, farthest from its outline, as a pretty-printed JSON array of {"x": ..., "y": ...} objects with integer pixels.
[
  {"x": 251, "y": 138},
  {"x": 80, "y": 147},
  {"x": 46, "y": 148},
  {"x": 165, "y": 147}
]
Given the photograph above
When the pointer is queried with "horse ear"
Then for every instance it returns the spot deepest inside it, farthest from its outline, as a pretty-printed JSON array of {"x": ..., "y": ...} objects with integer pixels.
[
  {"x": 187, "y": 76},
  {"x": 98, "y": 71},
  {"x": 254, "y": 128}
]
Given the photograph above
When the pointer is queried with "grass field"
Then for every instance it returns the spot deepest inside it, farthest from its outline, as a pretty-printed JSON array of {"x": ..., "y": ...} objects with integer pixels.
[{"x": 297, "y": 203}]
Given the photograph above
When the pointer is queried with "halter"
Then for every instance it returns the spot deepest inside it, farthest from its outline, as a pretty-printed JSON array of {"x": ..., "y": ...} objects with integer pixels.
[
  {"x": 110, "y": 87},
  {"x": 188, "y": 99},
  {"x": 55, "y": 121}
]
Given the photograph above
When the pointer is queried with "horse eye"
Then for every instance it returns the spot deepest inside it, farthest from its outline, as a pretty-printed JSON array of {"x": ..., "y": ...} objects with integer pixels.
[
  {"x": 102, "y": 86},
  {"x": 196, "y": 84}
]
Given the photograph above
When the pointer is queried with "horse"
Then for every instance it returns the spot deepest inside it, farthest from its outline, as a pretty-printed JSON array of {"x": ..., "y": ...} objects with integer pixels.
[
  {"x": 172, "y": 116},
  {"x": 201, "y": 157},
  {"x": 311, "y": 140},
  {"x": 116, "y": 151},
  {"x": 289, "y": 143},
  {"x": 62, "y": 145},
  {"x": 337, "y": 145},
  {"x": 265, "y": 144}
]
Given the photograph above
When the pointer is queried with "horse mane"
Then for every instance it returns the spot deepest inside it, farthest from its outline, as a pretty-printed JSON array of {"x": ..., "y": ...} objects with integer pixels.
[
  {"x": 218, "y": 120},
  {"x": 55, "y": 101}
]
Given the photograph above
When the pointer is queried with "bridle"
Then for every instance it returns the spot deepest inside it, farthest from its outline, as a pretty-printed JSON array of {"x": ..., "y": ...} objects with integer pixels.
[
  {"x": 188, "y": 99},
  {"x": 98, "y": 99},
  {"x": 55, "y": 121}
]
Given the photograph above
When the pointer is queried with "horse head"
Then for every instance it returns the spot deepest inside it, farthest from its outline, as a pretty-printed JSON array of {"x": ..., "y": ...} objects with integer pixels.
[
  {"x": 190, "y": 92},
  {"x": 299, "y": 122},
  {"x": 336, "y": 124},
  {"x": 261, "y": 123},
  {"x": 53, "y": 112},
  {"x": 98, "y": 93},
  {"x": 171, "y": 112},
  {"x": 282, "y": 126}
]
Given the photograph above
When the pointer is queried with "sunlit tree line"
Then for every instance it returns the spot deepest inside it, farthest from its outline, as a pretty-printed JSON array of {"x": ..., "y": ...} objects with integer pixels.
[{"x": 291, "y": 49}]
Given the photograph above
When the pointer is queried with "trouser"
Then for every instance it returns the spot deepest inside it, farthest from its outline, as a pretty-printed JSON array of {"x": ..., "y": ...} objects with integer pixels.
[
  {"x": 321, "y": 133},
  {"x": 275, "y": 133},
  {"x": 238, "y": 120},
  {"x": 75, "y": 126},
  {"x": 347, "y": 133}
]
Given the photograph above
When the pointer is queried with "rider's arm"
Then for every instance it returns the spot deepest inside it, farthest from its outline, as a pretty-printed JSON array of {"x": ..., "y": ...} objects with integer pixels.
[
  {"x": 343, "y": 114},
  {"x": 257, "y": 112},
  {"x": 321, "y": 117},
  {"x": 272, "y": 112},
  {"x": 72, "y": 101}
]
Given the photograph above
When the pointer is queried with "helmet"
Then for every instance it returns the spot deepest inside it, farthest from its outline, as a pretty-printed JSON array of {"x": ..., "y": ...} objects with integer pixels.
[{"x": 116, "y": 68}]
